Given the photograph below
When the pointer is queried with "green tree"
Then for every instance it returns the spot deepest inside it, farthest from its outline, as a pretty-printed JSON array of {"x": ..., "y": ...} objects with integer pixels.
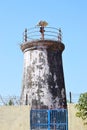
[
  {"x": 82, "y": 107},
  {"x": 10, "y": 103}
]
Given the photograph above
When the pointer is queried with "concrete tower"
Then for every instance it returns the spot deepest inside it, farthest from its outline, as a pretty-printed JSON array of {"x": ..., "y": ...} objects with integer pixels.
[{"x": 43, "y": 79}]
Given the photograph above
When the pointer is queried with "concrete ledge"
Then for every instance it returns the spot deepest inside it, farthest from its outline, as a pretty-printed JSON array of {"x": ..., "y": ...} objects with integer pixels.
[{"x": 50, "y": 44}]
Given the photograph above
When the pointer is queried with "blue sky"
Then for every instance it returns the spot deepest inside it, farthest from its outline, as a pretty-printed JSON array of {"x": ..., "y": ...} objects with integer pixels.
[{"x": 16, "y": 15}]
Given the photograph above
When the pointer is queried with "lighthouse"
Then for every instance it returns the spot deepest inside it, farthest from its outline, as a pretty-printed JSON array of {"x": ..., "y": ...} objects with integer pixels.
[{"x": 43, "y": 83}]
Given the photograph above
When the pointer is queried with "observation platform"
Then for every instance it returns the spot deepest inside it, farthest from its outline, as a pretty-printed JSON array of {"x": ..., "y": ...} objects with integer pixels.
[{"x": 42, "y": 37}]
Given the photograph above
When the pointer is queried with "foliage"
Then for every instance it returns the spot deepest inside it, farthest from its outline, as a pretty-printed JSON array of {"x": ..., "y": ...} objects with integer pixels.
[
  {"x": 10, "y": 103},
  {"x": 82, "y": 107}
]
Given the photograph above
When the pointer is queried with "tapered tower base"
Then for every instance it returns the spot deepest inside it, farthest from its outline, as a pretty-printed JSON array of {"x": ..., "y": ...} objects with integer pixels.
[{"x": 43, "y": 80}]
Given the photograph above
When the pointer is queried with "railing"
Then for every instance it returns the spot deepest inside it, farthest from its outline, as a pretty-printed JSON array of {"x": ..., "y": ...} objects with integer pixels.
[
  {"x": 44, "y": 33},
  {"x": 49, "y": 119}
]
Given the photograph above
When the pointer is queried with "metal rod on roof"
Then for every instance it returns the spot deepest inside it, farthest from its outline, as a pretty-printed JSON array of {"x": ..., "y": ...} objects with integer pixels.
[{"x": 25, "y": 35}]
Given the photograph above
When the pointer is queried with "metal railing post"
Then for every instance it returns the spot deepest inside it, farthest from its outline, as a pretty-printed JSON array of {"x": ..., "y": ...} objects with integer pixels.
[
  {"x": 66, "y": 119},
  {"x": 48, "y": 119}
]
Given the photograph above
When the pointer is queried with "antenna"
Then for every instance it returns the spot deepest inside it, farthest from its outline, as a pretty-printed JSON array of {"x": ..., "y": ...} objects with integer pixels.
[{"x": 42, "y": 24}]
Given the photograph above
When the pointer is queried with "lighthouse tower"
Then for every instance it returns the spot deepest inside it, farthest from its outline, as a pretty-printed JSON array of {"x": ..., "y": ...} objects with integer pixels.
[{"x": 43, "y": 84}]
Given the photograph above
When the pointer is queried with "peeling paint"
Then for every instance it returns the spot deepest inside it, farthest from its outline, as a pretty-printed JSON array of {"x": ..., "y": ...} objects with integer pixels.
[{"x": 43, "y": 79}]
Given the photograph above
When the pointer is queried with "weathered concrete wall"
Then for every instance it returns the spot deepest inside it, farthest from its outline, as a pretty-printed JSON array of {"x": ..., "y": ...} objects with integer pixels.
[
  {"x": 17, "y": 118},
  {"x": 14, "y": 118},
  {"x": 74, "y": 122},
  {"x": 43, "y": 79}
]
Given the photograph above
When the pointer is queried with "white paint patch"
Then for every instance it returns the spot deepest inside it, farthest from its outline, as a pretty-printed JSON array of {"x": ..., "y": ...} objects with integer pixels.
[
  {"x": 62, "y": 93},
  {"x": 54, "y": 77}
]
